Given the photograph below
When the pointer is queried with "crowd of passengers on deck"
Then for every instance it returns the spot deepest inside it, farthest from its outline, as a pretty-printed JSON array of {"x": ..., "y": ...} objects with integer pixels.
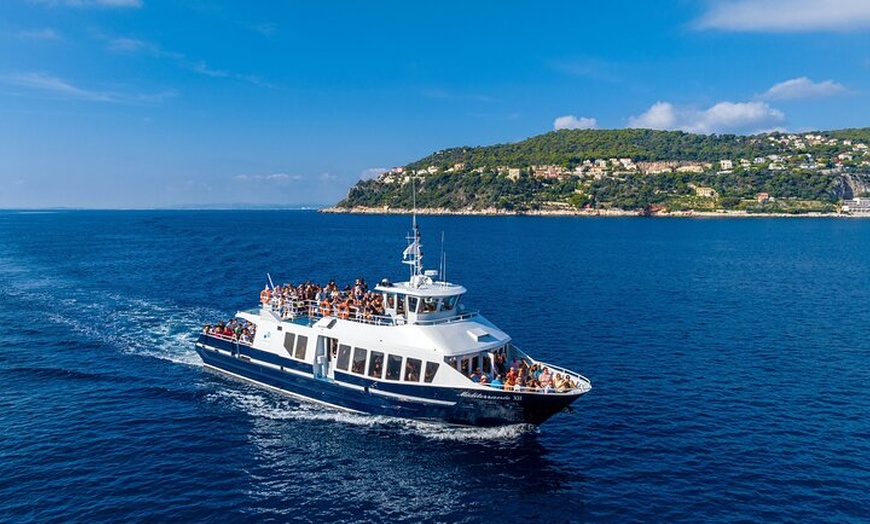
[
  {"x": 235, "y": 329},
  {"x": 354, "y": 302},
  {"x": 518, "y": 375}
]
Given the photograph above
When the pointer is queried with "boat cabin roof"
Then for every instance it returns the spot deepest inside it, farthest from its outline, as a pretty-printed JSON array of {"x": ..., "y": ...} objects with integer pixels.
[{"x": 423, "y": 288}]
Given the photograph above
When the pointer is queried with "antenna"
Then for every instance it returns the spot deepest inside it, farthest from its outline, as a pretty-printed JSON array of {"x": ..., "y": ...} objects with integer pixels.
[
  {"x": 444, "y": 274},
  {"x": 414, "y": 201},
  {"x": 443, "y": 267}
]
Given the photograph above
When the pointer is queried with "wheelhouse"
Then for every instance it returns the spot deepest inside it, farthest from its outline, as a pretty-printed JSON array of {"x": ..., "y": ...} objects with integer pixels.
[{"x": 422, "y": 300}]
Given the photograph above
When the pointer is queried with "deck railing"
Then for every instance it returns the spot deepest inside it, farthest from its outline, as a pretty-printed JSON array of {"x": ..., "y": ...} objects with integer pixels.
[
  {"x": 233, "y": 339},
  {"x": 580, "y": 383},
  {"x": 311, "y": 309}
]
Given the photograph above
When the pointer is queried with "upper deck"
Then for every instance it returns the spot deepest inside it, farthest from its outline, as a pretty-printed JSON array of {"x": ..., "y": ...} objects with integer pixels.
[{"x": 400, "y": 309}]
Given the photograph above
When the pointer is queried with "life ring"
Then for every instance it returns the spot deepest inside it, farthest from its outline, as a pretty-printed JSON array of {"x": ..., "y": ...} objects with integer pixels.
[
  {"x": 265, "y": 296},
  {"x": 324, "y": 308},
  {"x": 343, "y": 310}
]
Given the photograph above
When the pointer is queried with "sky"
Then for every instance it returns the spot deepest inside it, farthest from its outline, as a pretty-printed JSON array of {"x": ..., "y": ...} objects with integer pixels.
[{"x": 183, "y": 103}]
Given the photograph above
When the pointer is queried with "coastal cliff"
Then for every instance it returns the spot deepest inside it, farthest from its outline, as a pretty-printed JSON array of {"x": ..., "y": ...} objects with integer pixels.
[{"x": 631, "y": 172}]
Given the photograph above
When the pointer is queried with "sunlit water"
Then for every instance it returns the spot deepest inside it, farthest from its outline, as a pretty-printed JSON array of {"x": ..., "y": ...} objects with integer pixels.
[{"x": 729, "y": 360}]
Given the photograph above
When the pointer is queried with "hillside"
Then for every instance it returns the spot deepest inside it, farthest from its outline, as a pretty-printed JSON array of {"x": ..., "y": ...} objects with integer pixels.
[{"x": 633, "y": 169}]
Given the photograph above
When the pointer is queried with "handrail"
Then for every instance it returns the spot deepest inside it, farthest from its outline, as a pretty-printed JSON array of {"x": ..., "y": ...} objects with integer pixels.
[
  {"x": 312, "y": 309},
  {"x": 235, "y": 340},
  {"x": 564, "y": 371},
  {"x": 446, "y": 320},
  {"x": 581, "y": 383},
  {"x": 577, "y": 377},
  {"x": 543, "y": 391}
]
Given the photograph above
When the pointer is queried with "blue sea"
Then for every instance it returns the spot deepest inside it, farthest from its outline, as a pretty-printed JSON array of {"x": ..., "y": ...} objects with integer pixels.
[{"x": 730, "y": 363}]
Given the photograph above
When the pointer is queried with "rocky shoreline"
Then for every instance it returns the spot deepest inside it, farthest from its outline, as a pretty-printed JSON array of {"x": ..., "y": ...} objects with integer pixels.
[{"x": 360, "y": 210}]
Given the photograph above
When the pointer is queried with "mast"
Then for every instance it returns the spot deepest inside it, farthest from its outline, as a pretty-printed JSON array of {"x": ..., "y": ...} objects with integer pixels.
[{"x": 413, "y": 256}]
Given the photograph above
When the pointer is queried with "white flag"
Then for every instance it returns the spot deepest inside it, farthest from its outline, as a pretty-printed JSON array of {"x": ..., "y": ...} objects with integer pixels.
[{"x": 413, "y": 249}]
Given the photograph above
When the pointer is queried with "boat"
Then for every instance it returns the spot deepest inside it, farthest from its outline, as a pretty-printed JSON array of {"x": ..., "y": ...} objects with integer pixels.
[{"x": 405, "y": 349}]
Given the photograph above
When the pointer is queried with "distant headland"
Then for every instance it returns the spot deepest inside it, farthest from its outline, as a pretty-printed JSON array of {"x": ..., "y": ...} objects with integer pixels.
[{"x": 630, "y": 172}]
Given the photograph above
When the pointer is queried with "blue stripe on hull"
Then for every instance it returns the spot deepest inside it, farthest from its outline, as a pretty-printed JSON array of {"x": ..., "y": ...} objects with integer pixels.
[{"x": 471, "y": 407}]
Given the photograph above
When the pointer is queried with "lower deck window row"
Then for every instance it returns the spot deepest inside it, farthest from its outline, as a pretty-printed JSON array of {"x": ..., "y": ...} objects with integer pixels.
[{"x": 397, "y": 367}]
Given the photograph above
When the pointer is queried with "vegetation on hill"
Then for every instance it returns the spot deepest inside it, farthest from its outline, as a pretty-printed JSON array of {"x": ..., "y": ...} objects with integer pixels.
[
  {"x": 571, "y": 147},
  {"x": 633, "y": 169}
]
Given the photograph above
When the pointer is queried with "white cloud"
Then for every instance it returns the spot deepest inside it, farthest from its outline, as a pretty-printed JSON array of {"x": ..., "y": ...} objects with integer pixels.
[
  {"x": 662, "y": 115},
  {"x": 131, "y": 45},
  {"x": 91, "y": 3},
  {"x": 41, "y": 34},
  {"x": 786, "y": 15},
  {"x": 53, "y": 84},
  {"x": 372, "y": 172},
  {"x": 58, "y": 87},
  {"x": 803, "y": 87},
  {"x": 280, "y": 179},
  {"x": 724, "y": 117},
  {"x": 203, "y": 69},
  {"x": 572, "y": 122}
]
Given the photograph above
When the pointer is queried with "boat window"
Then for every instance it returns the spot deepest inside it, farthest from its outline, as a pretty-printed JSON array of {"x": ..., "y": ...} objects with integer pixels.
[
  {"x": 475, "y": 363},
  {"x": 289, "y": 341},
  {"x": 301, "y": 346},
  {"x": 343, "y": 357},
  {"x": 430, "y": 305},
  {"x": 412, "y": 304},
  {"x": 359, "y": 360},
  {"x": 463, "y": 367},
  {"x": 449, "y": 303},
  {"x": 394, "y": 367},
  {"x": 331, "y": 348},
  {"x": 412, "y": 370},
  {"x": 431, "y": 369},
  {"x": 487, "y": 363},
  {"x": 391, "y": 300},
  {"x": 400, "y": 305},
  {"x": 376, "y": 364}
]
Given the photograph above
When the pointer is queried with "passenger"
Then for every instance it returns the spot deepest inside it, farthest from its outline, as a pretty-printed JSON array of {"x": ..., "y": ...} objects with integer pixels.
[
  {"x": 497, "y": 382},
  {"x": 484, "y": 380},
  {"x": 412, "y": 372},
  {"x": 532, "y": 384},
  {"x": 475, "y": 376},
  {"x": 343, "y": 309},
  {"x": 520, "y": 384},
  {"x": 499, "y": 363},
  {"x": 524, "y": 368},
  {"x": 545, "y": 379},
  {"x": 509, "y": 382}
]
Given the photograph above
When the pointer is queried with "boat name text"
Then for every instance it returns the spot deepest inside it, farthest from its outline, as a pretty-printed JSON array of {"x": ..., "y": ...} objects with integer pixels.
[{"x": 482, "y": 396}]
